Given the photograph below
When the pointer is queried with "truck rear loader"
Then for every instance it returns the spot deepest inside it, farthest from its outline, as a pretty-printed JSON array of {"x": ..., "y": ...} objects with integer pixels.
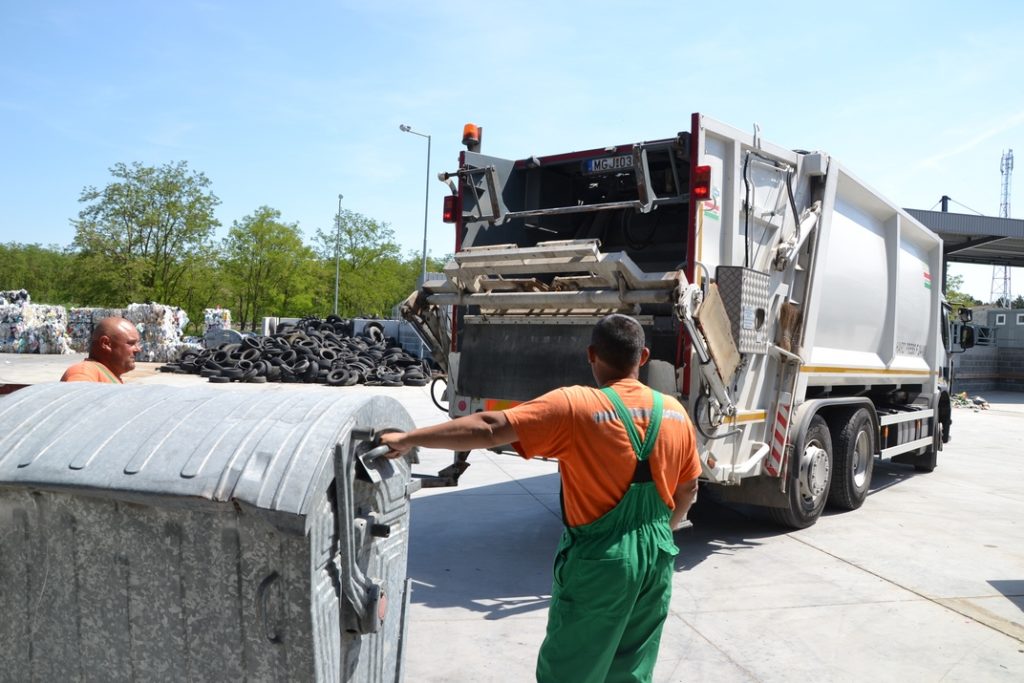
[{"x": 795, "y": 312}]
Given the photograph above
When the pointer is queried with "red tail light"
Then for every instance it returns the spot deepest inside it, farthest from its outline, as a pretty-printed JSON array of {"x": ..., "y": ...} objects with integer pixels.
[
  {"x": 450, "y": 202},
  {"x": 702, "y": 183}
]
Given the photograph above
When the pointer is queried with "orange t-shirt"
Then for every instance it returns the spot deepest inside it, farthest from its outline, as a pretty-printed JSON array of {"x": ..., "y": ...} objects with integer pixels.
[
  {"x": 90, "y": 371},
  {"x": 579, "y": 426}
]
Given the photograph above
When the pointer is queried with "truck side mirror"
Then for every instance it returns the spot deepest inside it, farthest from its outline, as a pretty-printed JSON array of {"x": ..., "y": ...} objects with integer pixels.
[{"x": 966, "y": 337}]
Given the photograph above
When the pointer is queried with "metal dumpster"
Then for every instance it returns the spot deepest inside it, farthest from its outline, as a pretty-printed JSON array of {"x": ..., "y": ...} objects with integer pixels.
[{"x": 158, "y": 533}]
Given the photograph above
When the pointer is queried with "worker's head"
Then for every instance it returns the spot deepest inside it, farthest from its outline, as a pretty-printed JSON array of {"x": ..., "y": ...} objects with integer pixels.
[
  {"x": 114, "y": 342},
  {"x": 616, "y": 348}
]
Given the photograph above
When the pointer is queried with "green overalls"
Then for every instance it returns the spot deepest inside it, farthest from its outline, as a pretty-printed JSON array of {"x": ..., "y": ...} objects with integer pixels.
[{"x": 613, "y": 581}]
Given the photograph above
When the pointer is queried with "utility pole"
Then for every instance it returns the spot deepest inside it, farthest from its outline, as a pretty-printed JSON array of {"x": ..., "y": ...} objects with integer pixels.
[
  {"x": 337, "y": 253},
  {"x": 426, "y": 203}
]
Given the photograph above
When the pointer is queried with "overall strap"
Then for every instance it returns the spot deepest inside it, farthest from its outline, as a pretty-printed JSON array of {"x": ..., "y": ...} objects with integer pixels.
[
  {"x": 105, "y": 371},
  {"x": 642, "y": 450}
]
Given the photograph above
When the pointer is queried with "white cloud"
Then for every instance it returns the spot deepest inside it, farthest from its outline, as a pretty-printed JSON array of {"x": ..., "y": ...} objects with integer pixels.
[{"x": 991, "y": 131}]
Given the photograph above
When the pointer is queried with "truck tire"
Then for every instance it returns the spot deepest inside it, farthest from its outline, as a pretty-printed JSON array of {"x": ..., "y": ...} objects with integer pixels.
[
  {"x": 853, "y": 459},
  {"x": 926, "y": 461},
  {"x": 809, "y": 476}
]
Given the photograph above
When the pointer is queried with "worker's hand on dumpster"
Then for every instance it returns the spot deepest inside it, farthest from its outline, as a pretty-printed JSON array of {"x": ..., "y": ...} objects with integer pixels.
[{"x": 396, "y": 442}]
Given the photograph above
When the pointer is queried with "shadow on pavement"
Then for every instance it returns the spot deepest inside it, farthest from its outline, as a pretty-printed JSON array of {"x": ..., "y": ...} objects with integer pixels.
[
  {"x": 888, "y": 473},
  {"x": 1011, "y": 590},
  {"x": 486, "y": 549},
  {"x": 489, "y": 549},
  {"x": 720, "y": 529}
]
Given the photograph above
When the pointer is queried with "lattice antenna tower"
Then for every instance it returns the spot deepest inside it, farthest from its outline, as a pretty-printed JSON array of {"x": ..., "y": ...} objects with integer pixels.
[{"x": 1001, "y": 291}]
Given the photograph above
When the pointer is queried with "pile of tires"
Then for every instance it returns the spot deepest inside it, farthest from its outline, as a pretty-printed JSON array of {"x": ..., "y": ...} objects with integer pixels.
[{"x": 310, "y": 351}]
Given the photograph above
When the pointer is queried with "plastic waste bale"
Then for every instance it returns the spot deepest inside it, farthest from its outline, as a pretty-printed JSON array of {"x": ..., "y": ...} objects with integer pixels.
[
  {"x": 160, "y": 329},
  {"x": 32, "y": 328},
  {"x": 215, "y": 319}
]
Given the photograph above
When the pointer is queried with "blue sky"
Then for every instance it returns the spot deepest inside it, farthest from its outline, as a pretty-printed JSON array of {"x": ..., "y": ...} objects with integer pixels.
[{"x": 288, "y": 104}]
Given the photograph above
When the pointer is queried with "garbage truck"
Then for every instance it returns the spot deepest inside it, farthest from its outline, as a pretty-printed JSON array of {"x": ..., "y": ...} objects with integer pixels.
[{"x": 795, "y": 312}]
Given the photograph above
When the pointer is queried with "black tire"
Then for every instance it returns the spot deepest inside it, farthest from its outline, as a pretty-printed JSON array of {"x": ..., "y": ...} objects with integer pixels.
[
  {"x": 312, "y": 372},
  {"x": 931, "y": 456},
  {"x": 218, "y": 380},
  {"x": 853, "y": 460},
  {"x": 926, "y": 461},
  {"x": 258, "y": 379},
  {"x": 805, "y": 505},
  {"x": 337, "y": 377},
  {"x": 386, "y": 375},
  {"x": 433, "y": 395}
]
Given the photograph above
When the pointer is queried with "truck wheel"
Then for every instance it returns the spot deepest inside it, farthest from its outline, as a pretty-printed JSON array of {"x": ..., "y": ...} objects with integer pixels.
[
  {"x": 926, "y": 462},
  {"x": 808, "y": 489},
  {"x": 854, "y": 461},
  {"x": 924, "y": 459}
]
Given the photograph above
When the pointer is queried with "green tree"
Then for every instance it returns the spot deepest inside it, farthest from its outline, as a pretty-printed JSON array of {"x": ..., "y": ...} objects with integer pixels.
[
  {"x": 1018, "y": 302},
  {"x": 138, "y": 235},
  {"x": 369, "y": 263},
  {"x": 204, "y": 287},
  {"x": 956, "y": 298},
  {"x": 46, "y": 272},
  {"x": 266, "y": 266}
]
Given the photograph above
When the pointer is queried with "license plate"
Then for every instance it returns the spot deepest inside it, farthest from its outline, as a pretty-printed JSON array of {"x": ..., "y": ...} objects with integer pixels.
[{"x": 609, "y": 164}]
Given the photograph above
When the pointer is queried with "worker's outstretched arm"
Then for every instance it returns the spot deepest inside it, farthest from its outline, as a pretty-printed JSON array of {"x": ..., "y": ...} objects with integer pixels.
[
  {"x": 683, "y": 497},
  {"x": 479, "y": 430}
]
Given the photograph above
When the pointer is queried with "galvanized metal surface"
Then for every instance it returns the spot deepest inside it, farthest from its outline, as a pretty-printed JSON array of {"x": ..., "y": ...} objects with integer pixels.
[
  {"x": 157, "y": 533},
  {"x": 745, "y": 295}
]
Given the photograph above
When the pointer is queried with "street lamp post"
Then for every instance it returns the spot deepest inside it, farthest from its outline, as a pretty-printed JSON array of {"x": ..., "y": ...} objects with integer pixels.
[
  {"x": 337, "y": 253},
  {"x": 426, "y": 202}
]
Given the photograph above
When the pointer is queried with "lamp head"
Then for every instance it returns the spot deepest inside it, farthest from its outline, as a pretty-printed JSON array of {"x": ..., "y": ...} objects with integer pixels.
[{"x": 404, "y": 128}]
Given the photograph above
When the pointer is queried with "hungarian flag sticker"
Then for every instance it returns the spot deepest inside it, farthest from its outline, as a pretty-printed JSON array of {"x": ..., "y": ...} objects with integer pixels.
[{"x": 927, "y": 280}]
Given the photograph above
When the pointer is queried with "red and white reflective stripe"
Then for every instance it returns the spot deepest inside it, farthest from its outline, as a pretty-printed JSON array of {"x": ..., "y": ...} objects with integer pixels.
[{"x": 774, "y": 463}]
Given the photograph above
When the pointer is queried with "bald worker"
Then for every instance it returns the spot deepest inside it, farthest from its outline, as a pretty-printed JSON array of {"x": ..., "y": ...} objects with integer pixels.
[{"x": 112, "y": 349}]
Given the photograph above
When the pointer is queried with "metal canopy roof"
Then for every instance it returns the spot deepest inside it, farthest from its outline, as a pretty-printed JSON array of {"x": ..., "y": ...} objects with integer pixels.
[{"x": 976, "y": 239}]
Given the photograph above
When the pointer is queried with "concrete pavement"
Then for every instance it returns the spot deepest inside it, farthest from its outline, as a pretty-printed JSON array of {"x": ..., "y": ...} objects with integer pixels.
[{"x": 923, "y": 583}]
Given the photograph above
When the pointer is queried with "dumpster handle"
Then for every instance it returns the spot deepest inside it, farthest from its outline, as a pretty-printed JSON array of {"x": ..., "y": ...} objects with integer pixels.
[{"x": 364, "y": 594}]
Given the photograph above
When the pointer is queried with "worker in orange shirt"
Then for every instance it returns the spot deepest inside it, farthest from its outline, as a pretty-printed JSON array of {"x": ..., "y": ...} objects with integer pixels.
[
  {"x": 628, "y": 464},
  {"x": 112, "y": 348}
]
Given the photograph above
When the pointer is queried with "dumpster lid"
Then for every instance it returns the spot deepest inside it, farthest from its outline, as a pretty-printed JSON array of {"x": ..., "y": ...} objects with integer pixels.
[{"x": 265, "y": 449}]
